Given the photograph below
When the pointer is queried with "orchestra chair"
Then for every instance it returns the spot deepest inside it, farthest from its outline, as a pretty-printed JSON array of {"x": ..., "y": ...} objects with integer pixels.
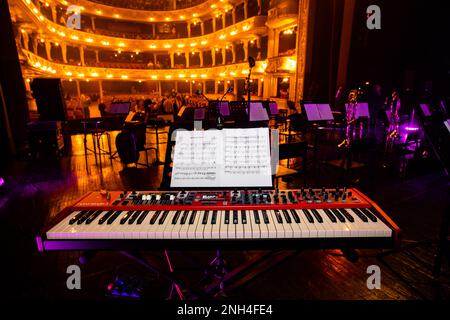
[
  {"x": 288, "y": 151},
  {"x": 361, "y": 154}
]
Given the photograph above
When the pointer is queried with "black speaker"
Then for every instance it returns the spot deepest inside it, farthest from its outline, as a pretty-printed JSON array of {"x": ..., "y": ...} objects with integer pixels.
[{"x": 49, "y": 99}]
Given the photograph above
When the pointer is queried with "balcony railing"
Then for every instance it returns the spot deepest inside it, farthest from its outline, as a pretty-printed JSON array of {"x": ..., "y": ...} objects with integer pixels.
[
  {"x": 57, "y": 33},
  {"x": 42, "y": 67},
  {"x": 150, "y": 5}
]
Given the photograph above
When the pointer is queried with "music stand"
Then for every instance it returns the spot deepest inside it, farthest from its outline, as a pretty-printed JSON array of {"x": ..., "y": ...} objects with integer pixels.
[
  {"x": 318, "y": 112},
  {"x": 120, "y": 108},
  {"x": 362, "y": 110}
]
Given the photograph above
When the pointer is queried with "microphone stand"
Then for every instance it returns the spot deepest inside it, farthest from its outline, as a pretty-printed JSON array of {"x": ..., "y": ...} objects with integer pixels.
[{"x": 219, "y": 119}]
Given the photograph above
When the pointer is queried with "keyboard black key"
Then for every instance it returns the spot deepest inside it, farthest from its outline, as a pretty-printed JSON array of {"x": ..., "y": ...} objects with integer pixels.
[
  {"x": 347, "y": 215},
  {"x": 330, "y": 215},
  {"x": 105, "y": 217},
  {"x": 77, "y": 216},
  {"x": 317, "y": 215},
  {"x": 338, "y": 215},
  {"x": 369, "y": 214},
  {"x": 134, "y": 217},
  {"x": 243, "y": 217},
  {"x": 256, "y": 215},
  {"x": 175, "y": 217},
  {"x": 192, "y": 218},
  {"x": 308, "y": 216},
  {"x": 126, "y": 216},
  {"x": 278, "y": 216},
  {"x": 142, "y": 217},
  {"x": 235, "y": 217},
  {"x": 214, "y": 217},
  {"x": 155, "y": 217},
  {"x": 361, "y": 215},
  {"x": 227, "y": 217},
  {"x": 286, "y": 216},
  {"x": 113, "y": 217},
  {"x": 163, "y": 217},
  {"x": 295, "y": 215},
  {"x": 84, "y": 217},
  {"x": 184, "y": 217},
  {"x": 265, "y": 217},
  {"x": 205, "y": 217},
  {"x": 93, "y": 216}
]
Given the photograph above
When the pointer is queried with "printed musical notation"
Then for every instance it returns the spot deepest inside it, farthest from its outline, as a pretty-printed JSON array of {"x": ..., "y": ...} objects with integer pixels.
[{"x": 226, "y": 158}]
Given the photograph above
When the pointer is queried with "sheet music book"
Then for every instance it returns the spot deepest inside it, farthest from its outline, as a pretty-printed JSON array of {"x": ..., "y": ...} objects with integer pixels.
[
  {"x": 222, "y": 158},
  {"x": 318, "y": 112},
  {"x": 257, "y": 112}
]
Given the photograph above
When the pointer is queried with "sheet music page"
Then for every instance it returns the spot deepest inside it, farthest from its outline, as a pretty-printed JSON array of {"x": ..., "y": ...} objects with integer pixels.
[
  {"x": 196, "y": 158},
  {"x": 246, "y": 158},
  {"x": 222, "y": 158}
]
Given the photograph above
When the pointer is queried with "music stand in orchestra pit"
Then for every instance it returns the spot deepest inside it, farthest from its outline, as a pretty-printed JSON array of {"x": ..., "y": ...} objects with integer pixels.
[{"x": 362, "y": 110}]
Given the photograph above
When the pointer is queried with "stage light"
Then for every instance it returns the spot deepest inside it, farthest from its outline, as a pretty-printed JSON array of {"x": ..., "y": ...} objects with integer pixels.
[
  {"x": 37, "y": 64},
  {"x": 195, "y": 15},
  {"x": 181, "y": 17},
  {"x": 121, "y": 44},
  {"x": 168, "y": 76},
  {"x": 35, "y": 10},
  {"x": 262, "y": 79},
  {"x": 167, "y": 19},
  {"x": 218, "y": 82},
  {"x": 193, "y": 44},
  {"x": 152, "y": 46},
  {"x": 232, "y": 73},
  {"x": 154, "y": 77},
  {"x": 62, "y": 34},
  {"x": 180, "y": 45},
  {"x": 222, "y": 36},
  {"x": 95, "y": 74},
  {"x": 28, "y": 80},
  {"x": 232, "y": 33},
  {"x": 70, "y": 80},
  {"x": 56, "y": 44},
  {"x": 204, "y": 42},
  {"x": 68, "y": 73},
  {"x": 222, "y": 74},
  {"x": 124, "y": 76},
  {"x": 140, "y": 81},
  {"x": 167, "y": 46},
  {"x": 203, "y": 75},
  {"x": 47, "y": 4},
  {"x": 89, "y": 40},
  {"x": 246, "y": 27},
  {"x": 285, "y": 80},
  {"x": 87, "y": 80},
  {"x": 244, "y": 71},
  {"x": 228, "y": 81},
  {"x": 217, "y": 49},
  {"x": 105, "y": 43},
  {"x": 99, "y": 12},
  {"x": 52, "y": 29},
  {"x": 181, "y": 75},
  {"x": 288, "y": 31},
  {"x": 74, "y": 37},
  {"x": 151, "y": 18},
  {"x": 213, "y": 6},
  {"x": 117, "y": 16},
  {"x": 81, "y": 75},
  {"x": 42, "y": 40},
  {"x": 109, "y": 76},
  {"x": 42, "y": 18},
  {"x": 193, "y": 76}
]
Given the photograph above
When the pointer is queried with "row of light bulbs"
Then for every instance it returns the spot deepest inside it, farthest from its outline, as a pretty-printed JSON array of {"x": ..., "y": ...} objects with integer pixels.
[{"x": 121, "y": 44}]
